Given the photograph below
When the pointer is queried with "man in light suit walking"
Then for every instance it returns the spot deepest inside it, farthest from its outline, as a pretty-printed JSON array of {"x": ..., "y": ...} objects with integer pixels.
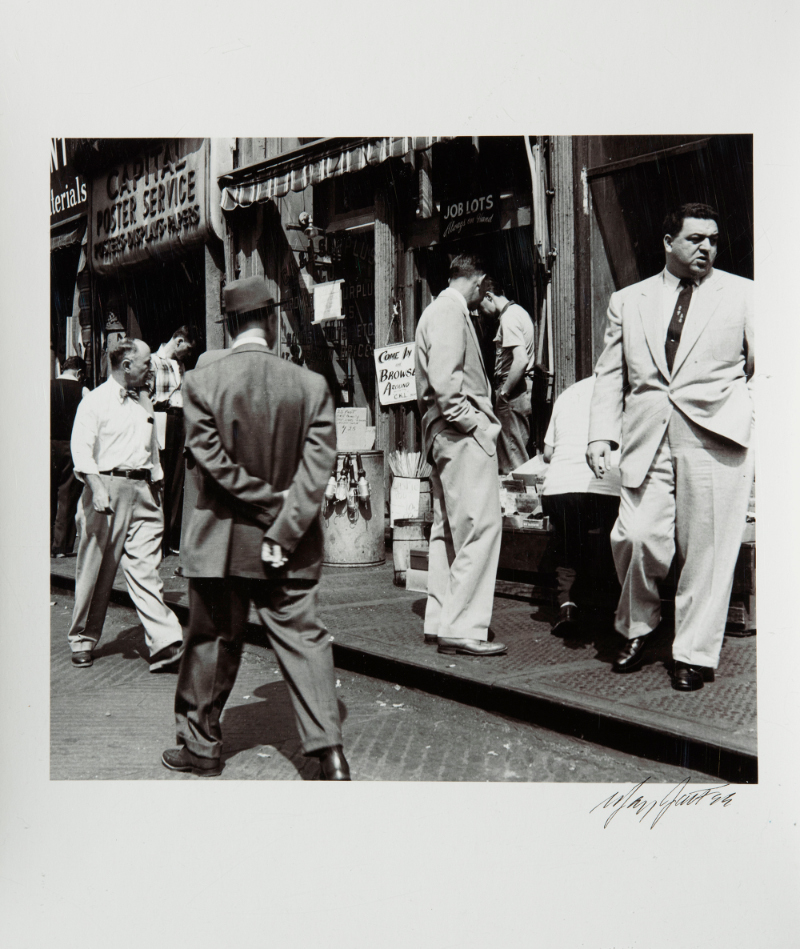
[
  {"x": 673, "y": 389},
  {"x": 459, "y": 433},
  {"x": 261, "y": 432}
]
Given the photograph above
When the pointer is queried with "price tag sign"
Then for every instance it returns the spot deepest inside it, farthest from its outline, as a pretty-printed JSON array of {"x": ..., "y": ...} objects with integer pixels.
[
  {"x": 351, "y": 429},
  {"x": 394, "y": 374},
  {"x": 404, "y": 499}
]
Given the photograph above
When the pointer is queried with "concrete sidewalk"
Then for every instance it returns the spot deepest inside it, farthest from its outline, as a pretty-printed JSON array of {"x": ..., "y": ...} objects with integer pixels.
[{"x": 566, "y": 686}]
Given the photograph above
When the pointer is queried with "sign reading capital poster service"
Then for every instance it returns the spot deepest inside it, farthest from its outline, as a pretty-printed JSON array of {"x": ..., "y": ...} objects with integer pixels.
[
  {"x": 394, "y": 374},
  {"x": 151, "y": 204}
]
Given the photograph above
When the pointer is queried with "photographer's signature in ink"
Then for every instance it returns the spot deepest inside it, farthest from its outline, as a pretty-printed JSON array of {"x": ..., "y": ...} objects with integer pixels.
[{"x": 643, "y": 806}]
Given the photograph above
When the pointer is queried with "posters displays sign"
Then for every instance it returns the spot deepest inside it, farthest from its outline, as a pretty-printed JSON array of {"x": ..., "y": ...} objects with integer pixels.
[
  {"x": 152, "y": 203},
  {"x": 463, "y": 216},
  {"x": 394, "y": 373},
  {"x": 68, "y": 191}
]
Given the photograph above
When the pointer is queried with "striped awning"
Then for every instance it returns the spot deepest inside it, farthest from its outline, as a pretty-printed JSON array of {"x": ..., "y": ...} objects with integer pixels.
[
  {"x": 70, "y": 232},
  {"x": 310, "y": 167}
]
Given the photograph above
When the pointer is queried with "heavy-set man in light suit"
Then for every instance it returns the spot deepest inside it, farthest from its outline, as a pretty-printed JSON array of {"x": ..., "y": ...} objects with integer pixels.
[
  {"x": 673, "y": 389},
  {"x": 459, "y": 433}
]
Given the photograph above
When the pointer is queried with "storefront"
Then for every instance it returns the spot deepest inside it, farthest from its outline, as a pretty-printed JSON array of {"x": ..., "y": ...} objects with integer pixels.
[
  {"x": 627, "y": 185},
  {"x": 383, "y": 216},
  {"x": 155, "y": 237},
  {"x": 70, "y": 314}
]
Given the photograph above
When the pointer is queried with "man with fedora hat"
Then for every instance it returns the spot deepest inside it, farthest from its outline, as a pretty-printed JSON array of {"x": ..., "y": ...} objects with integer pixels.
[{"x": 260, "y": 431}]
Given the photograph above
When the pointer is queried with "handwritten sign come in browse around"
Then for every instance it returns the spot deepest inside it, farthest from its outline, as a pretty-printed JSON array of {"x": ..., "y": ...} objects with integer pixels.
[{"x": 394, "y": 374}]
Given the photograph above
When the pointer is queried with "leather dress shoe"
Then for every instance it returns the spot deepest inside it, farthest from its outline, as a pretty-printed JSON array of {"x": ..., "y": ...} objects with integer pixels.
[
  {"x": 167, "y": 659},
  {"x": 82, "y": 659},
  {"x": 333, "y": 764},
  {"x": 631, "y": 656},
  {"x": 567, "y": 622},
  {"x": 470, "y": 647},
  {"x": 181, "y": 759},
  {"x": 687, "y": 678}
]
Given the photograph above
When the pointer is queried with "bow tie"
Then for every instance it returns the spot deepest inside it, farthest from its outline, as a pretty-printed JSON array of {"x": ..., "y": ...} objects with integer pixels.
[{"x": 129, "y": 394}]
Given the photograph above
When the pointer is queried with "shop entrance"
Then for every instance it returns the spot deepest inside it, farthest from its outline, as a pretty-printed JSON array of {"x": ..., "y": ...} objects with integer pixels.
[
  {"x": 509, "y": 257},
  {"x": 153, "y": 300}
]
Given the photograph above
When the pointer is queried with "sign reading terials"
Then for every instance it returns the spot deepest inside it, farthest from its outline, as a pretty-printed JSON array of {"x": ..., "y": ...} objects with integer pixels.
[{"x": 394, "y": 371}]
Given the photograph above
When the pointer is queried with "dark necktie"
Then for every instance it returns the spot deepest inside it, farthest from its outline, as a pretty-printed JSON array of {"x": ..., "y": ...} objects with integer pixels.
[{"x": 676, "y": 323}]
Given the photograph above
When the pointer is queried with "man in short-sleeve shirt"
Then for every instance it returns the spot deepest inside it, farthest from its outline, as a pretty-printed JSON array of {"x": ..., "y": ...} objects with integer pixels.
[{"x": 513, "y": 374}]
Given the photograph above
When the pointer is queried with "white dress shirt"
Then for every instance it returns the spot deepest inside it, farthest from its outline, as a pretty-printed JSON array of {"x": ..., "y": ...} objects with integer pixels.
[
  {"x": 567, "y": 434},
  {"x": 242, "y": 341},
  {"x": 112, "y": 430},
  {"x": 672, "y": 289}
]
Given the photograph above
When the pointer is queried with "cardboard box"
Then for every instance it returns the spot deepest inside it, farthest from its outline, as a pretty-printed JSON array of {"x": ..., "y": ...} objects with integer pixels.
[
  {"x": 418, "y": 559},
  {"x": 417, "y": 580}
]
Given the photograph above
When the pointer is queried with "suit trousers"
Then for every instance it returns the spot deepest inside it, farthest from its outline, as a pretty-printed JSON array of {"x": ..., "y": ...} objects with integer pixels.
[
  {"x": 581, "y": 548},
  {"x": 465, "y": 538},
  {"x": 514, "y": 416},
  {"x": 693, "y": 504},
  {"x": 218, "y": 613},
  {"x": 173, "y": 464},
  {"x": 131, "y": 538},
  {"x": 65, "y": 490}
]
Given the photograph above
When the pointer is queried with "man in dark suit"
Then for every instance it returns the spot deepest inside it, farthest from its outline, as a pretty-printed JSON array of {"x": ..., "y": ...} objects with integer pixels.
[
  {"x": 66, "y": 393},
  {"x": 673, "y": 390},
  {"x": 261, "y": 432}
]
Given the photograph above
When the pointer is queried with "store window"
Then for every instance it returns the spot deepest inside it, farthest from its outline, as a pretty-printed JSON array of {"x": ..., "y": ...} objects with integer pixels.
[{"x": 634, "y": 186}]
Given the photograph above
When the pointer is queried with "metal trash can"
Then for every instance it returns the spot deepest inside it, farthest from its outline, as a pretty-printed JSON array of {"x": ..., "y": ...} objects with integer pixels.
[{"x": 356, "y": 539}]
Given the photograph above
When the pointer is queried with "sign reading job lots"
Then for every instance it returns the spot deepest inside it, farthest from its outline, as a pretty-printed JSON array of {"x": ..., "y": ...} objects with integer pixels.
[
  {"x": 153, "y": 203},
  {"x": 472, "y": 214}
]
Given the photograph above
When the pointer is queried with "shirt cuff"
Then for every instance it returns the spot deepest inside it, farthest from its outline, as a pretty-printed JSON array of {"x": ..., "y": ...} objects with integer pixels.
[
  {"x": 156, "y": 473},
  {"x": 86, "y": 469}
]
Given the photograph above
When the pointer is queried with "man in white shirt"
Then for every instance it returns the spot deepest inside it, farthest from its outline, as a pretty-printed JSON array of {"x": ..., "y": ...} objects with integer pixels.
[
  {"x": 513, "y": 374},
  {"x": 121, "y": 521},
  {"x": 582, "y": 510},
  {"x": 673, "y": 390}
]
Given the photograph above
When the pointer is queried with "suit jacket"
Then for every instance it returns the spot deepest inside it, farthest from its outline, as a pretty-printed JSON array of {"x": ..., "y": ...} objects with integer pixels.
[
  {"x": 261, "y": 432},
  {"x": 710, "y": 380},
  {"x": 453, "y": 389}
]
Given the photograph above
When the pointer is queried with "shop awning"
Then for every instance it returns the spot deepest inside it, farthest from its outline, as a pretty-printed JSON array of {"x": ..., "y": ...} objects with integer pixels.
[
  {"x": 71, "y": 232},
  {"x": 313, "y": 164}
]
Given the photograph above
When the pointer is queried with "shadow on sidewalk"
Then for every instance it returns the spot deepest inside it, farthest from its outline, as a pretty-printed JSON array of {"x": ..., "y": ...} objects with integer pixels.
[{"x": 269, "y": 722}]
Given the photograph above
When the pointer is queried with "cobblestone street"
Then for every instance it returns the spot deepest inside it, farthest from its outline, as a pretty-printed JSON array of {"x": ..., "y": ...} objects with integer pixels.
[{"x": 113, "y": 720}]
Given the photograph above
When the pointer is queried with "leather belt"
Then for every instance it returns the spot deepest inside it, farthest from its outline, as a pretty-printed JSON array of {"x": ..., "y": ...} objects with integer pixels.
[{"x": 135, "y": 474}]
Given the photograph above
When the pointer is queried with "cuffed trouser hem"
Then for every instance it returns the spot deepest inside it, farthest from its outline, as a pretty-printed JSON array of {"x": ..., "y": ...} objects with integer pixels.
[
  {"x": 155, "y": 666},
  {"x": 85, "y": 645},
  {"x": 200, "y": 751},
  {"x": 313, "y": 747},
  {"x": 635, "y": 630}
]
